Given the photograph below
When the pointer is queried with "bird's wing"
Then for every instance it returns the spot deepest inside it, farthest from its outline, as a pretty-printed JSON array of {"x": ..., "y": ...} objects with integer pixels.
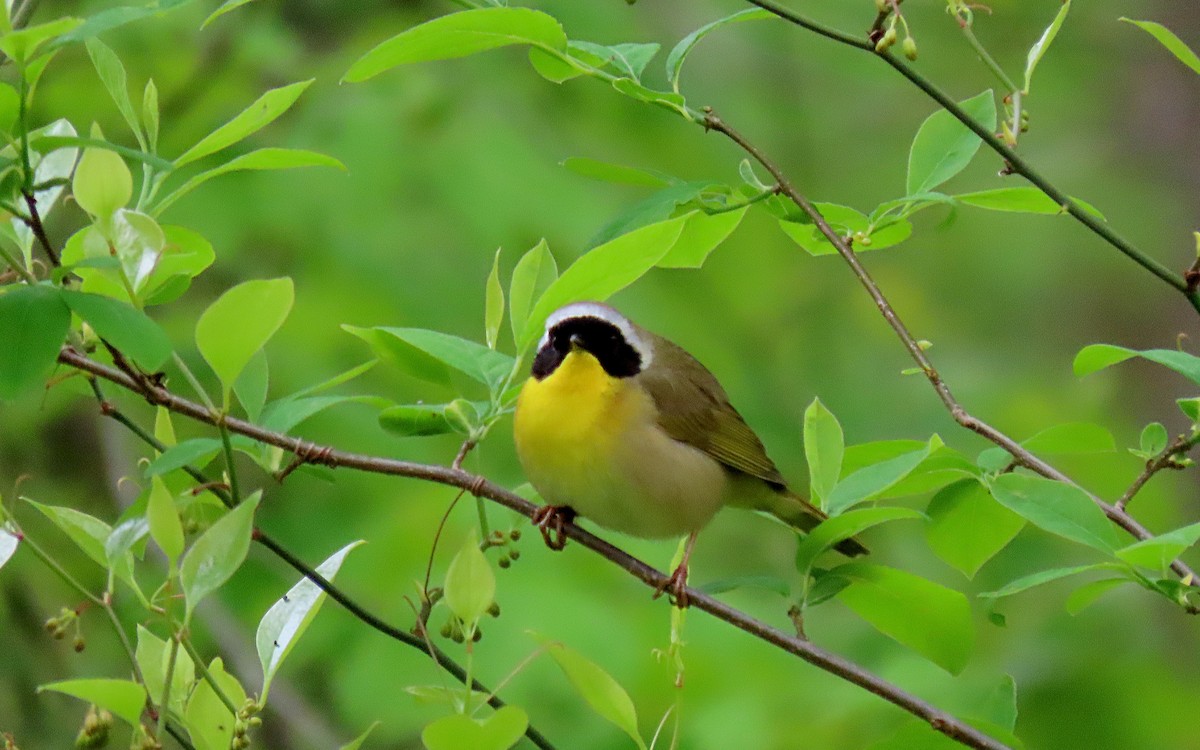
[{"x": 693, "y": 408}]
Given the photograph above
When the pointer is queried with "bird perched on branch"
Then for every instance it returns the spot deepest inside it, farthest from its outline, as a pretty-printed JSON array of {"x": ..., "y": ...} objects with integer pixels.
[{"x": 624, "y": 427}]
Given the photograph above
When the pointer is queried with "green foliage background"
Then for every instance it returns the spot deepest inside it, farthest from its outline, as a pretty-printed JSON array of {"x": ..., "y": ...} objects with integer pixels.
[{"x": 447, "y": 161}]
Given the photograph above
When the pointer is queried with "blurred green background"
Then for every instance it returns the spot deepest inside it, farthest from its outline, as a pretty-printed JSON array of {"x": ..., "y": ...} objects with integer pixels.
[{"x": 448, "y": 161}]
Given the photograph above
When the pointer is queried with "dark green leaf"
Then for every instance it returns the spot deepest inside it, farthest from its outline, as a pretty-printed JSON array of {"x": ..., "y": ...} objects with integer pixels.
[
  {"x": 197, "y": 452},
  {"x": 656, "y": 207},
  {"x": 499, "y": 731},
  {"x": 48, "y": 144},
  {"x": 124, "y": 326},
  {"x": 414, "y": 420},
  {"x": 35, "y": 322},
  {"x": 1056, "y": 507},
  {"x": 967, "y": 527},
  {"x": 944, "y": 146},
  {"x": 833, "y": 530},
  {"x": 123, "y": 698},
  {"x": 286, "y": 413}
]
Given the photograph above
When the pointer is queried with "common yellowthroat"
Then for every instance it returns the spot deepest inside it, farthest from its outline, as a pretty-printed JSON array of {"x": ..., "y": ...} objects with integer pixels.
[{"x": 624, "y": 427}]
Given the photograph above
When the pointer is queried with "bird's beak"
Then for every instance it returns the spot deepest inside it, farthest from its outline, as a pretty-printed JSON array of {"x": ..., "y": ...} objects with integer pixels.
[{"x": 576, "y": 341}]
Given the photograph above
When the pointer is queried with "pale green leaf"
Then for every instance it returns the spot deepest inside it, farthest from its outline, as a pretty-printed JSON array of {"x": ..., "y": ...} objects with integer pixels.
[
  {"x": 163, "y": 517},
  {"x": 102, "y": 182},
  {"x": 681, "y": 50},
  {"x": 1167, "y": 38},
  {"x": 470, "y": 583},
  {"x": 226, "y": 6},
  {"x": 1099, "y": 356},
  {"x": 870, "y": 481},
  {"x": 499, "y": 731},
  {"x": 618, "y": 173},
  {"x": 123, "y": 698},
  {"x": 944, "y": 146},
  {"x": 1158, "y": 552},
  {"x": 851, "y": 523},
  {"x": 1043, "y": 43},
  {"x": 485, "y": 365},
  {"x": 112, "y": 75},
  {"x": 239, "y": 323},
  {"x": 153, "y": 656},
  {"x": 258, "y": 115},
  {"x": 533, "y": 274},
  {"x": 261, "y": 159},
  {"x": 824, "y": 445},
  {"x": 209, "y": 722},
  {"x": 493, "y": 306},
  {"x": 1059, "y": 508},
  {"x": 1041, "y": 577},
  {"x": 603, "y": 693},
  {"x": 967, "y": 527},
  {"x": 702, "y": 234},
  {"x": 218, "y": 553},
  {"x": 1087, "y": 594}
]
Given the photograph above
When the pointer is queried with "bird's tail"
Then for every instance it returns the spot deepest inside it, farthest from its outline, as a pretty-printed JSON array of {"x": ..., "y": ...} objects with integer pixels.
[{"x": 798, "y": 512}]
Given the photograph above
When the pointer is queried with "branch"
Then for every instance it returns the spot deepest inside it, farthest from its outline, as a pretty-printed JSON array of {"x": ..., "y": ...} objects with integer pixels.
[
  {"x": 1168, "y": 458},
  {"x": 34, "y": 222},
  {"x": 1012, "y": 159},
  {"x": 1019, "y": 453},
  {"x": 441, "y": 658},
  {"x": 482, "y": 487}
]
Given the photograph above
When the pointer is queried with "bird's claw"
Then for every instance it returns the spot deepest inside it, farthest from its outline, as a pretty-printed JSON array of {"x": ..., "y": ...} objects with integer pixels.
[
  {"x": 550, "y": 520},
  {"x": 675, "y": 587}
]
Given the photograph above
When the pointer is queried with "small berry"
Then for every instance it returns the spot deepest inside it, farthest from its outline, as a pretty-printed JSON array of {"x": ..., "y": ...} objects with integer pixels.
[
  {"x": 515, "y": 535},
  {"x": 504, "y": 562},
  {"x": 910, "y": 48}
]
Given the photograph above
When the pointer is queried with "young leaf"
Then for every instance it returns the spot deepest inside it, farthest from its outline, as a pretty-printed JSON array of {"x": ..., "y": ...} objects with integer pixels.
[
  {"x": 485, "y": 365},
  {"x": 122, "y": 325},
  {"x": 1157, "y": 553},
  {"x": 251, "y": 386},
  {"x": 458, "y": 35},
  {"x": 226, "y": 6},
  {"x": 35, "y": 322},
  {"x": 603, "y": 271},
  {"x": 1153, "y": 439},
  {"x": 493, "y": 307},
  {"x": 163, "y": 517},
  {"x": 21, "y": 45},
  {"x": 409, "y": 358},
  {"x": 702, "y": 234},
  {"x": 150, "y": 113},
  {"x": 258, "y": 115},
  {"x": 153, "y": 657},
  {"x": 944, "y": 146},
  {"x": 533, "y": 274},
  {"x": 927, "y": 617},
  {"x": 1099, "y": 356},
  {"x": 630, "y": 59},
  {"x": 967, "y": 527},
  {"x": 102, "y": 182},
  {"x": 218, "y": 553},
  {"x": 88, "y": 532},
  {"x": 870, "y": 481},
  {"x": 1044, "y": 576},
  {"x": 851, "y": 523},
  {"x": 198, "y": 451},
  {"x": 680, "y": 52},
  {"x": 123, "y": 698},
  {"x": 357, "y": 742},
  {"x": 499, "y": 731},
  {"x": 288, "y": 618},
  {"x": 823, "y": 447},
  {"x": 604, "y": 694},
  {"x": 1041, "y": 45},
  {"x": 261, "y": 159},
  {"x": 209, "y": 723},
  {"x": 1167, "y": 38},
  {"x": 1056, "y": 507},
  {"x": 470, "y": 583},
  {"x": 112, "y": 75},
  {"x": 239, "y": 323}
]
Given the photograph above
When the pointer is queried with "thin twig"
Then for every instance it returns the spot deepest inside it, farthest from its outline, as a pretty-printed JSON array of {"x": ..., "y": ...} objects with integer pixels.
[
  {"x": 1012, "y": 159},
  {"x": 1166, "y": 459},
  {"x": 961, "y": 416},
  {"x": 315, "y": 452},
  {"x": 34, "y": 222},
  {"x": 480, "y": 486}
]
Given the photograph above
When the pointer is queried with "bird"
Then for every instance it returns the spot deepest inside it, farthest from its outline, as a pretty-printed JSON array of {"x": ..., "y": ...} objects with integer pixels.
[{"x": 624, "y": 427}]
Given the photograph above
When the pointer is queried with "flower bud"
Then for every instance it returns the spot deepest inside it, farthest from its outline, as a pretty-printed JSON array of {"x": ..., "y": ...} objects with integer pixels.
[{"x": 910, "y": 48}]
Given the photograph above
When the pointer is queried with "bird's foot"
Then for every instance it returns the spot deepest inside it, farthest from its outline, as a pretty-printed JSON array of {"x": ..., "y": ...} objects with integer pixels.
[
  {"x": 550, "y": 520},
  {"x": 675, "y": 587}
]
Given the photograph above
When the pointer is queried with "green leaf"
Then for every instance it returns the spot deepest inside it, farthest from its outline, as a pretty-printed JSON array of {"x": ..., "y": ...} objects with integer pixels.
[
  {"x": 112, "y": 75},
  {"x": 870, "y": 481},
  {"x": 251, "y": 386},
  {"x": 680, "y": 52},
  {"x": 226, "y": 6},
  {"x": 533, "y": 274},
  {"x": 123, "y": 698},
  {"x": 1041, "y": 45},
  {"x": 10, "y": 107},
  {"x": 944, "y": 146},
  {"x": 411, "y": 360},
  {"x": 470, "y": 583},
  {"x": 603, "y": 694},
  {"x": 458, "y": 35},
  {"x": 288, "y": 618},
  {"x": 700, "y": 236},
  {"x": 1043, "y": 576},
  {"x": 658, "y": 206},
  {"x": 1190, "y": 407},
  {"x": 851, "y": 523},
  {"x": 1153, "y": 439},
  {"x": 286, "y": 413},
  {"x": 102, "y": 182},
  {"x": 967, "y": 527},
  {"x": 239, "y": 323},
  {"x": 122, "y": 325},
  {"x": 209, "y": 722},
  {"x": 927, "y": 617},
  {"x": 628, "y": 59},
  {"x": 1027, "y": 200},
  {"x": 163, "y": 517},
  {"x": 846, "y": 222},
  {"x": 150, "y": 113},
  {"x": 153, "y": 656},
  {"x": 48, "y": 144},
  {"x": 35, "y": 321},
  {"x": 218, "y": 553},
  {"x": 485, "y": 365},
  {"x": 493, "y": 305},
  {"x": 1072, "y": 437},
  {"x": 23, "y": 44},
  {"x": 665, "y": 99},
  {"x": 500, "y": 731},
  {"x": 823, "y": 447},
  {"x": 261, "y": 159},
  {"x": 1056, "y": 507},
  {"x": 415, "y": 420},
  {"x": 1167, "y": 38},
  {"x": 258, "y": 115},
  {"x": 618, "y": 173},
  {"x": 556, "y": 67},
  {"x": 1099, "y": 356},
  {"x": 1157, "y": 553},
  {"x": 1087, "y": 594},
  {"x": 358, "y": 741},
  {"x": 88, "y": 532},
  {"x": 603, "y": 271},
  {"x": 197, "y": 451}
]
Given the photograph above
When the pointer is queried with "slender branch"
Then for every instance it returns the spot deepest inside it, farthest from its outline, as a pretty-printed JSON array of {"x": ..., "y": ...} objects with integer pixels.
[
  {"x": 444, "y": 660},
  {"x": 482, "y": 487},
  {"x": 1019, "y": 453},
  {"x": 34, "y": 222},
  {"x": 1166, "y": 459},
  {"x": 202, "y": 668},
  {"x": 1013, "y": 160}
]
